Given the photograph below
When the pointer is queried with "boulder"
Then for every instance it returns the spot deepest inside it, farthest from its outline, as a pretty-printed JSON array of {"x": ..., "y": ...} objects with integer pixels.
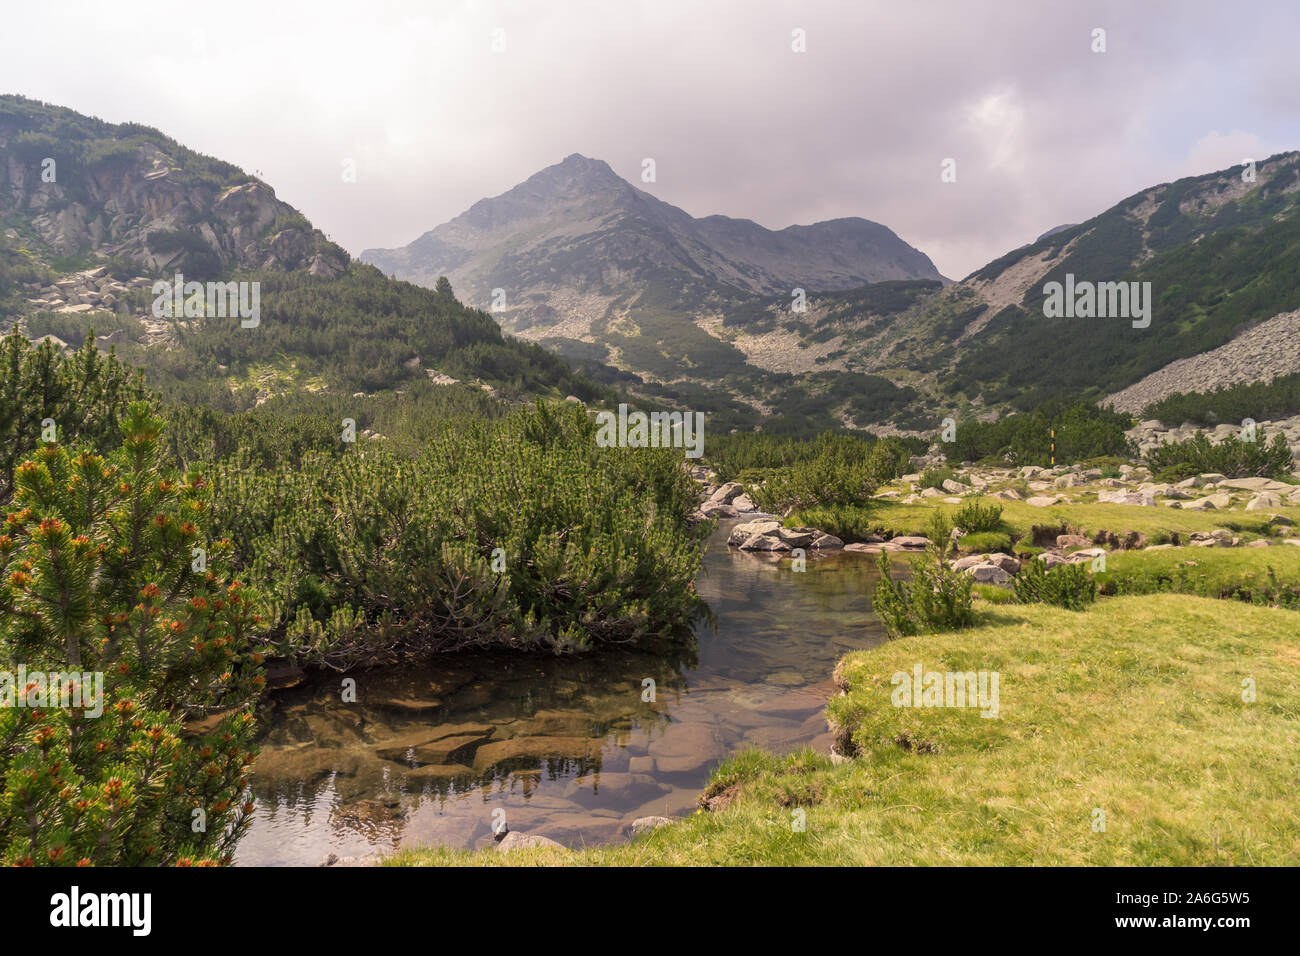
[
  {"x": 1264, "y": 502},
  {"x": 1006, "y": 562},
  {"x": 1051, "y": 559},
  {"x": 1042, "y": 502},
  {"x": 1253, "y": 484},
  {"x": 910, "y": 541},
  {"x": 743, "y": 532},
  {"x": 1008, "y": 494},
  {"x": 1064, "y": 541},
  {"x": 763, "y": 542},
  {"x": 797, "y": 537},
  {"x": 727, "y": 493},
  {"x": 827, "y": 542},
  {"x": 954, "y": 487},
  {"x": 1087, "y": 554},
  {"x": 988, "y": 574},
  {"x": 643, "y": 825},
  {"x": 1140, "y": 498},
  {"x": 514, "y": 840},
  {"x": 743, "y": 504}
]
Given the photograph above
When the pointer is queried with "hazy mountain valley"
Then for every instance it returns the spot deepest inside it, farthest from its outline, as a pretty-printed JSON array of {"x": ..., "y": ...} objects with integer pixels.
[{"x": 590, "y": 529}]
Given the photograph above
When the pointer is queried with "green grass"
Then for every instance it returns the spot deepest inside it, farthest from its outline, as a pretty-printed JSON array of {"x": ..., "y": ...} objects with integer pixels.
[
  {"x": 984, "y": 542},
  {"x": 1133, "y": 707},
  {"x": 1258, "y": 575},
  {"x": 894, "y": 518},
  {"x": 848, "y": 522}
]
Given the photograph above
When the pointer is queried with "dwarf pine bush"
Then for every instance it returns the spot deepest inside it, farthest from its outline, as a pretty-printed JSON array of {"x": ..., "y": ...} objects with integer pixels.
[
  {"x": 976, "y": 516},
  {"x": 105, "y": 570},
  {"x": 520, "y": 533},
  {"x": 937, "y": 598},
  {"x": 1231, "y": 457},
  {"x": 80, "y": 396},
  {"x": 1067, "y": 585}
]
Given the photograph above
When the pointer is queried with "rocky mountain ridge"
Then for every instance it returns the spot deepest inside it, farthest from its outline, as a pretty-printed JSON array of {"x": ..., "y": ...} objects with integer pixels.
[
  {"x": 578, "y": 228},
  {"x": 76, "y": 186}
]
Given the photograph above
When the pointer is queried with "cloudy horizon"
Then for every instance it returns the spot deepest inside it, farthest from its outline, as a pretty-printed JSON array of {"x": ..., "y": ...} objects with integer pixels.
[{"x": 440, "y": 105}]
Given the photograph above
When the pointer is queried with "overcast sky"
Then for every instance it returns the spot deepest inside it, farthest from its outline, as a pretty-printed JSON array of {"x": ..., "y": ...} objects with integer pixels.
[{"x": 1043, "y": 130}]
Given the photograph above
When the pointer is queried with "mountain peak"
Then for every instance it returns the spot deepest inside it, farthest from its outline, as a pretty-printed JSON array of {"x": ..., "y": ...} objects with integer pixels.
[{"x": 578, "y": 170}]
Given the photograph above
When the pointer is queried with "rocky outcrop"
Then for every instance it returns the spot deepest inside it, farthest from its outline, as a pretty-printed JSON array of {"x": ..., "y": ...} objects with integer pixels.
[{"x": 150, "y": 201}]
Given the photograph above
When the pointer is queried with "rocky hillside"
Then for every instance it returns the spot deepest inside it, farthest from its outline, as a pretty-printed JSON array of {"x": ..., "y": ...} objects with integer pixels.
[
  {"x": 604, "y": 273},
  {"x": 584, "y": 263},
  {"x": 1222, "y": 256},
  {"x": 74, "y": 186},
  {"x": 577, "y": 232},
  {"x": 92, "y": 213}
]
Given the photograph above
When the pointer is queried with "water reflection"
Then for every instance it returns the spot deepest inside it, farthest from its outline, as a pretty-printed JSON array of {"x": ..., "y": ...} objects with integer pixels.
[{"x": 567, "y": 747}]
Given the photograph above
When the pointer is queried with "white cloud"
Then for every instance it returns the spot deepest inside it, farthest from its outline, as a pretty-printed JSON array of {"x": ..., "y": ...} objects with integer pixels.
[{"x": 1044, "y": 131}]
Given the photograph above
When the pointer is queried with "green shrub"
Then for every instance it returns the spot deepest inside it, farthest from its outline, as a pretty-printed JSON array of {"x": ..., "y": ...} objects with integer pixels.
[
  {"x": 99, "y": 578},
  {"x": 830, "y": 471},
  {"x": 1070, "y": 586},
  {"x": 74, "y": 328},
  {"x": 732, "y": 456},
  {"x": 1068, "y": 433},
  {"x": 1176, "y": 473},
  {"x": 83, "y": 394},
  {"x": 935, "y": 477},
  {"x": 1231, "y": 457},
  {"x": 937, "y": 598},
  {"x": 848, "y": 522},
  {"x": 1278, "y": 398},
  {"x": 371, "y": 554},
  {"x": 975, "y": 516}
]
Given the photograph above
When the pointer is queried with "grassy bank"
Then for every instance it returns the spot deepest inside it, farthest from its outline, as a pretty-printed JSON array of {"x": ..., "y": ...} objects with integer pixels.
[
  {"x": 1257, "y": 575},
  {"x": 1159, "y": 524},
  {"x": 1133, "y": 708}
]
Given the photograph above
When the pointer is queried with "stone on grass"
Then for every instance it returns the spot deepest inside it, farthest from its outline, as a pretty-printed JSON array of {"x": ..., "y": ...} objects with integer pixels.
[{"x": 514, "y": 840}]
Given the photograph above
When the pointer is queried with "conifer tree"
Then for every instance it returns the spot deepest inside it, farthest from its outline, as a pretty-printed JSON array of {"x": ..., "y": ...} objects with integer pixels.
[{"x": 104, "y": 570}]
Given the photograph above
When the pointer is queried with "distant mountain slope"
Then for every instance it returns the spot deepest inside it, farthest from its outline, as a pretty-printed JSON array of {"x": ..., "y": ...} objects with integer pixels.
[
  {"x": 583, "y": 262},
  {"x": 91, "y": 213},
  {"x": 1221, "y": 254},
  {"x": 605, "y": 273},
  {"x": 578, "y": 232}
]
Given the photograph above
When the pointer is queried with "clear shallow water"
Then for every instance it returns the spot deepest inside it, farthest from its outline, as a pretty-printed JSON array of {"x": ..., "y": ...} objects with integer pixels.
[{"x": 565, "y": 747}]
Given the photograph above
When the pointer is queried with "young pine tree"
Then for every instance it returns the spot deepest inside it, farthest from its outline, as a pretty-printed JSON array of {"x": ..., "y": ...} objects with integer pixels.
[{"x": 104, "y": 570}]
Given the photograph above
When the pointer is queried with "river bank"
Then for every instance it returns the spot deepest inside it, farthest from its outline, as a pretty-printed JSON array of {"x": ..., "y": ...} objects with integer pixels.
[{"x": 566, "y": 747}]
